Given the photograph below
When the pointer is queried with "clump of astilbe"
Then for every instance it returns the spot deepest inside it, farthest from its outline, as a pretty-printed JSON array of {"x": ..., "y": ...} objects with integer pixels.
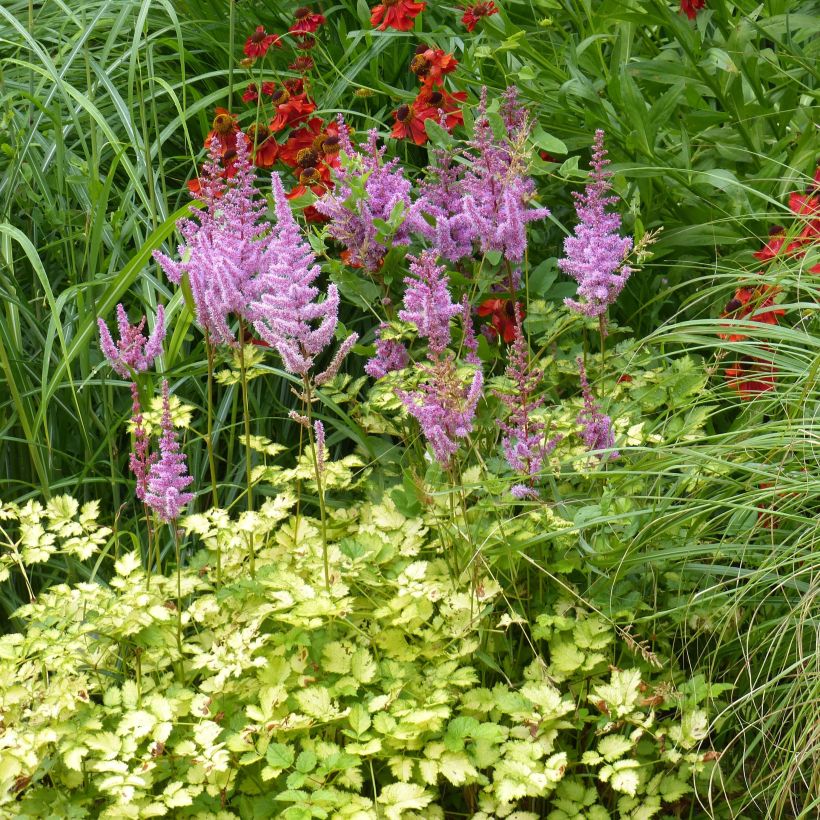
[
  {"x": 391, "y": 355},
  {"x": 595, "y": 256},
  {"x": 596, "y": 427},
  {"x": 135, "y": 352},
  {"x": 524, "y": 439},
  {"x": 369, "y": 191},
  {"x": 223, "y": 245},
  {"x": 443, "y": 406},
  {"x": 286, "y": 313},
  {"x": 141, "y": 459},
  {"x": 427, "y": 302},
  {"x": 168, "y": 476},
  {"x": 496, "y": 187}
]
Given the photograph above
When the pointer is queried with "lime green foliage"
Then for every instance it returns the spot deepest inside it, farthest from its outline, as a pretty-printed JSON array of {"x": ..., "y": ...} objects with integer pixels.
[{"x": 291, "y": 700}]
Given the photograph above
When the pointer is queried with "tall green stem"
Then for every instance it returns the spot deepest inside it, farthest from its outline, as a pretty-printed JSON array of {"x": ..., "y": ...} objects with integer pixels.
[
  {"x": 246, "y": 413},
  {"x": 178, "y": 556},
  {"x": 210, "y": 446},
  {"x": 231, "y": 30},
  {"x": 318, "y": 473}
]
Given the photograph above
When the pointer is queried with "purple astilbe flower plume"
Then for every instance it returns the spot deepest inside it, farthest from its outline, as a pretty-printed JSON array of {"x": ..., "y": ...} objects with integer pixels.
[
  {"x": 444, "y": 407},
  {"x": 469, "y": 342},
  {"x": 524, "y": 441},
  {"x": 427, "y": 302},
  {"x": 596, "y": 429},
  {"x": 391, "y": 355},
  {"x": 286, "y": 314},
  {"x": 382, "y": 193},
  {"x": 595, "y": 255},
  {"x": 168, "y": 477},
  {"x": 134, "y": 351},
  {"x": 141, "y": 458},
  {"x": 496, "y": 188},
  {"x": 223, "y": 245}
]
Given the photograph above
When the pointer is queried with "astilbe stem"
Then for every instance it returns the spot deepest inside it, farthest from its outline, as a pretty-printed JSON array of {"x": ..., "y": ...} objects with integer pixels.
[
  {"x": 243, "y": 371},
  {"x": 596, "y": 427},
  {"x": 524, "y": 437}
]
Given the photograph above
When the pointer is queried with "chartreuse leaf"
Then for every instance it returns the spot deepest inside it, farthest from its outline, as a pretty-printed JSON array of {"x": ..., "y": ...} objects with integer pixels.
[{"x": 397, "y": 798}]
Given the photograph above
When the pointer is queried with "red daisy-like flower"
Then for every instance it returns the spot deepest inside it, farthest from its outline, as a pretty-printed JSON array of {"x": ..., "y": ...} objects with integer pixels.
[
  {"x": 298, "y": 139},
  {"x": 429, "y": 103},
  {"x": 755, "y": 303},
  {"x": 268, "y": 89},
  {"x": 264, "y": 147},
  {"x": 250, "y": 94},
  {"x": 691, "y": 7},
  {"x": 431, "y": 64},
  {"x": 307, "y": 22},
  {"x": 502, "y": 316},
  {"x": 409, "y": 125},
  {"x": 751, "y": 377},
  {"x": 302, "y": 64},
  {"x": 259, "y": 42},
  {"x": 397, "y": 14},
  {"x": 224, "y": 130},
  {"x": 473, "y": 13},
  {"x": 291, "y": 109}
]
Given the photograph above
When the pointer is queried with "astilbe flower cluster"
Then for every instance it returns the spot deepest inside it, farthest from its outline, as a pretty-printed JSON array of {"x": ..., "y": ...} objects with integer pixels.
[
  {"x": 442, "y": 405},
  {"x": 286, "y": 314},
  {"x": 134, "y": 352},
  {"x": 168, "y": 476},
  {"x": 391, "y": 355},
  {"x": 382, "y": 191},
  {"x": 223, "y": 246},
  {"x": 427, "y": 302},
  {"x": 524, "y": 439},
  {"x": 141, "y": 459},
  {"x": 484, "y": 200},
  {"x": 596, "y": 427},
  {"x": 595, "y": 255}
]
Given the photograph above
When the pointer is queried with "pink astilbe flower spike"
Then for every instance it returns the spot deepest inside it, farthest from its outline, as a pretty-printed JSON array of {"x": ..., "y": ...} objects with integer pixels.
[
  {"x": 443, "y": 407},
  {"x": 391, "y": 355},
  {"x": 595, "y": 256},
  {"x": 141, "y": 458},
  {"x": 386, "y": 197},
  {"x": 223, "y": 245},
  {"x": 524, "y": 441},
  {"x": 286, "y": 314},
  {"x": 168, "y": 477},
  {"x": 596, "y": 427},
  {"x": 134, "y": 352},
  {"x": 427, "y": 302}
]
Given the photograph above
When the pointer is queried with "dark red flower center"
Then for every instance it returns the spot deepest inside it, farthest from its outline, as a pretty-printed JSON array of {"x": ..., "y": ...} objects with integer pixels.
[
  {"x": 280, "y": 96},
  {"x": 732, "y": 305},
  {"x": 259, "y": 35},
  {"x": 301, "y": 13},
  {"x": 403, "y": 113},
  {"x": 436, "y": 97},
  {"x": 223, "y": 123},
  {"x": 420, "y": 65},
  {"x": 307, "y": 158},
  {"x": 309, "y": 176},
  {"x": 330, "y": 145}
]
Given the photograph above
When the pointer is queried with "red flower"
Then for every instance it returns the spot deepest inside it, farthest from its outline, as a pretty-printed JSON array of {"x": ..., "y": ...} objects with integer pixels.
[
  {"x": 250, "y": 94},
  {"x": 691, "y": 7},
  {"x": 259, "y": 42},
  {"x": 804, "y": 204},
  {"x": 290, "y": 109},
  {"x": 473, "y": 13},
  {"x": 300, "y": 138},
  {"x": 408, "y": 125},
  {"x": 397, "y": 14},
  {"x": 304, "y": 41},
  {"x": 268, "y": 89},
  {"x": 265, "y": 147},
  {"x": 751, "y": 377},
  {"x": 431, "y": 64},
  {"x": 302, "y": 64},
  {"x": 756, "y": 303},
  {"x": 429, "y": 103},
  {"x": 307, "y": 22},
  {"x": 224, "y": 130},
  {"x": 502, "y": 316}
]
